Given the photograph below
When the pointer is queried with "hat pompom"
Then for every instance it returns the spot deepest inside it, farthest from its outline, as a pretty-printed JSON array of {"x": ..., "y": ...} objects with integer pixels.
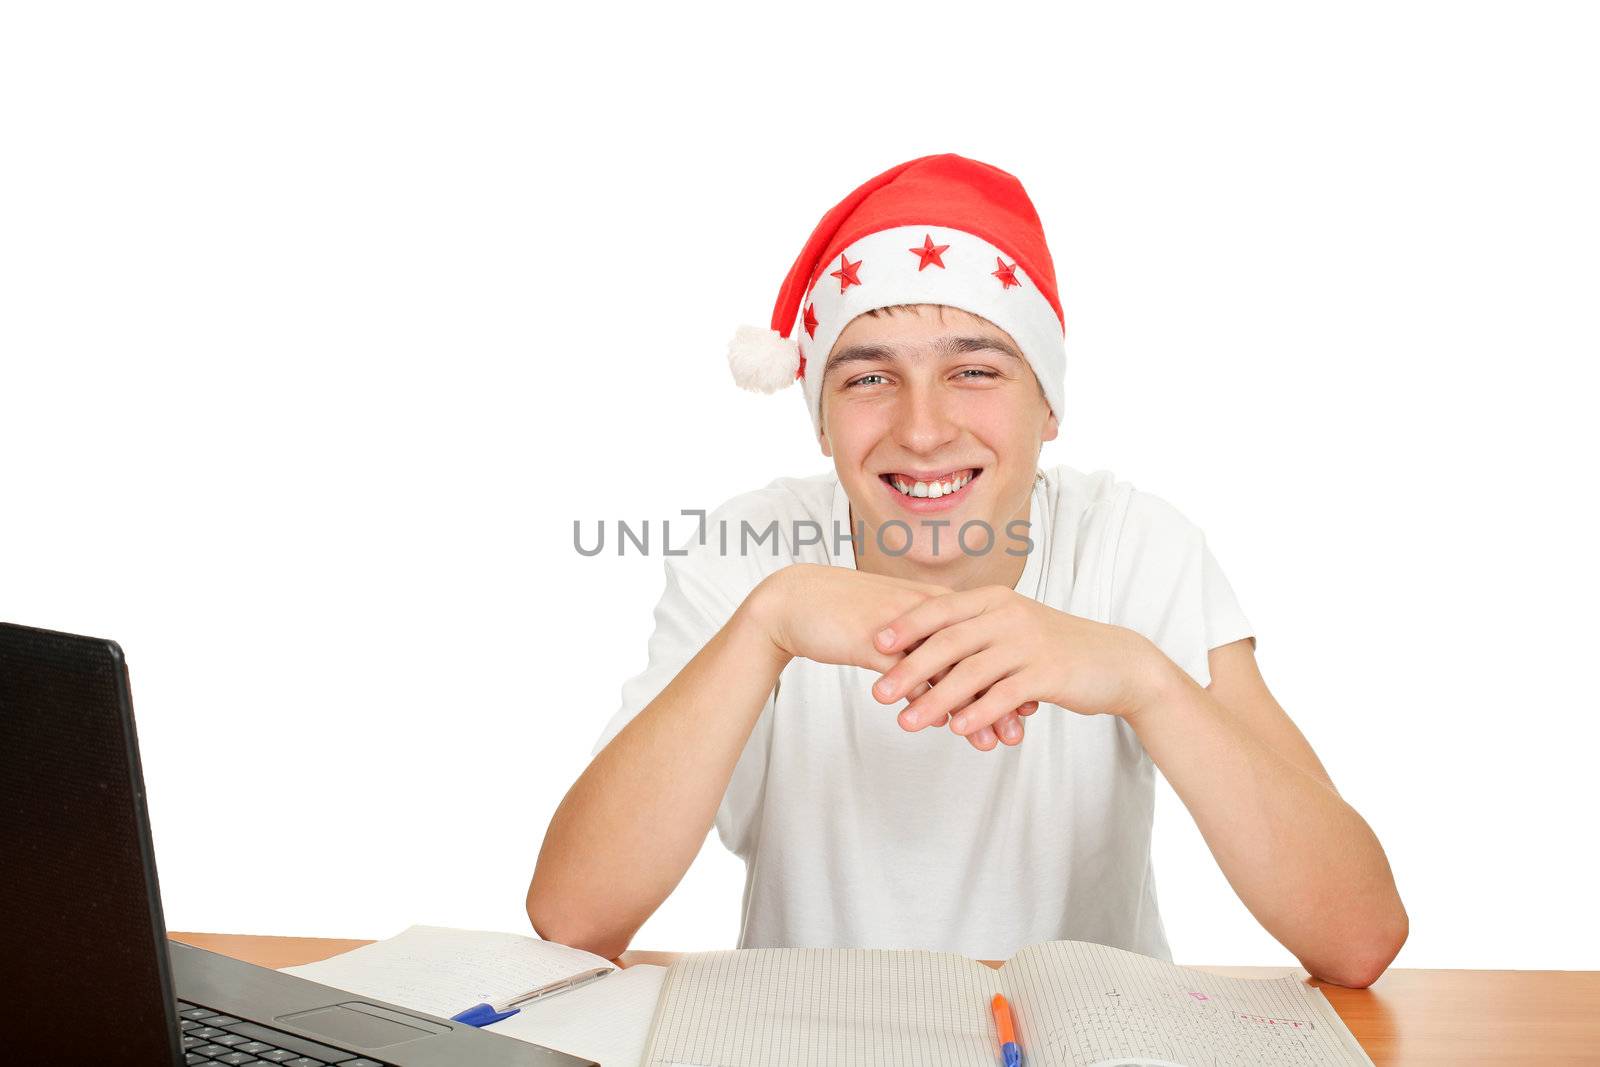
[{"x": 761, "y": 360}]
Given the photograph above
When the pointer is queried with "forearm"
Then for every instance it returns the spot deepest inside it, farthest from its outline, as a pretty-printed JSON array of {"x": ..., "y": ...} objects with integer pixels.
[
  {"x": 631, "y": 825},
  {"x": 1303, "y": 861}
]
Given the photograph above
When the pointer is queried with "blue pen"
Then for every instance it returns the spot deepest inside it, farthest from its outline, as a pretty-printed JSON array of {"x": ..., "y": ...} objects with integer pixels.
[{"x": 483, "y": 1014}]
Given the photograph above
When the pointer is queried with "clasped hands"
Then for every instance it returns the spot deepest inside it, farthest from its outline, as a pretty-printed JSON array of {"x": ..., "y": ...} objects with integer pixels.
[{"x": 982, "y": 659}]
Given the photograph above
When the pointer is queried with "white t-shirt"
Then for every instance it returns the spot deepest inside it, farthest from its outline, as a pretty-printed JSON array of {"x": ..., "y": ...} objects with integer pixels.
[{"x": 856, "y": 833}]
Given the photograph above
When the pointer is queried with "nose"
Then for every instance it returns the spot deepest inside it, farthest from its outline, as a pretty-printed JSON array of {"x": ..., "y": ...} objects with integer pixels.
[{"x": 923, "y": 421}]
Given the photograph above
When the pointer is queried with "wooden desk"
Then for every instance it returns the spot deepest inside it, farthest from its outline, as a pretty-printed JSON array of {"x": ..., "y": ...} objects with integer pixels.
[{"x": 1406, "y": 1017}]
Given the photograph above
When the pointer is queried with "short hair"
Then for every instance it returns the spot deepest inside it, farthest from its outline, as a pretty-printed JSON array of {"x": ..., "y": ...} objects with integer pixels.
[{"x": 891, "y": 308}]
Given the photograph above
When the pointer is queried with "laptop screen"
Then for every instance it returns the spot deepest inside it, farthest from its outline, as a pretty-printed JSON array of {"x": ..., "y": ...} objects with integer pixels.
[{"x": 81, "y": 937}]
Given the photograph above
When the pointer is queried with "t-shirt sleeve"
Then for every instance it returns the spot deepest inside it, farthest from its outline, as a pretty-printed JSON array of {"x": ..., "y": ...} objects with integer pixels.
[
  {"x": 1167, "y": 585},
  {"x": 701, "y": 593},
  {"x": 1225, "y": 620}
]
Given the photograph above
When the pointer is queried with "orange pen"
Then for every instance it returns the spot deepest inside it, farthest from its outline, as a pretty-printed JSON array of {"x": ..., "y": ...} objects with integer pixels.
[{"x": 1008, "y": 1035}]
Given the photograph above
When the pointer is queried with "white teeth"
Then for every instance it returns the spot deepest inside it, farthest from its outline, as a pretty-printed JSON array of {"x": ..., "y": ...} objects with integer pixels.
[{"x": 932, "y": 490}]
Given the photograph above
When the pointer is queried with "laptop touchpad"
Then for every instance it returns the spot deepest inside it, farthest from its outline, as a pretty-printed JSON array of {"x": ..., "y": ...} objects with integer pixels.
[{"x": 363, "y": 1025}]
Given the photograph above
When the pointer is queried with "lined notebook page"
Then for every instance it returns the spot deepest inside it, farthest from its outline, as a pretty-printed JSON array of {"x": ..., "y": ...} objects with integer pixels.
[
  {"x": 824, "y": 1007},
  {"x": 1078, "y": 1004},
  {"x": 604, "y": 1021},
  {"x": 442, "y": 971}
]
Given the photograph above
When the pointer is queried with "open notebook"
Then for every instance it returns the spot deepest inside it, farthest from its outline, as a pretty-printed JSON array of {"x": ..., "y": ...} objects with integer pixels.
[
  {"x": 1074, "y": 1003},
  {"x": 441, "y": 971}
]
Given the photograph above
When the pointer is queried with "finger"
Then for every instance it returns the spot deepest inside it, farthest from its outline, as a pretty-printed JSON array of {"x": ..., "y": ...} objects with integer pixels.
[
  {"x": 1009, "y": 729},
  {"x": 923, "y": 687},
  {"x": 931, "y": 615},
  {"x": 934, "y": 656},
  {"x": 1001, "y": 699},
  {"x": 964, "y": 682},
  {"x": 982, "y": 740},
  {"x": 1027, "y": 708}
]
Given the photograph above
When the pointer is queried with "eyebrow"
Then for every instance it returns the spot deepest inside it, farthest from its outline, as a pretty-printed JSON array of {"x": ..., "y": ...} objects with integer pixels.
[{"x": 869, "y": 353}]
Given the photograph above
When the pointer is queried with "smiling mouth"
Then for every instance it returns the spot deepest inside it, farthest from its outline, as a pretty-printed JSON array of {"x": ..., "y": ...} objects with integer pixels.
[{"x": 931, "y": 488}]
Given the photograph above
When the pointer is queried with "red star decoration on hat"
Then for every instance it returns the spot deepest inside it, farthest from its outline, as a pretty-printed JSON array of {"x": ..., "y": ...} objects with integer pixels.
[
  {"x": 810, "y": 322},
  {"x": 846, "y": 272},
  {"x": 929, "y": 252},
  {"x": 1007, "y": 275}
]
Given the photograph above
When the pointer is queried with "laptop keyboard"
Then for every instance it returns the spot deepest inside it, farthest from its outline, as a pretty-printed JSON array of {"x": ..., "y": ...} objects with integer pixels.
[{"x": 212, "y": 1037}]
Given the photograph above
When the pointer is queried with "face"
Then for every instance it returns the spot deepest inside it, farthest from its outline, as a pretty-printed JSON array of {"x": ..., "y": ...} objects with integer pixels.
[{"x": 932, "y": 415}]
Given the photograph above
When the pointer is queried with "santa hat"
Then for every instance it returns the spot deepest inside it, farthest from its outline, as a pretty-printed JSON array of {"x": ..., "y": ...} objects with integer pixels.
[{"x": 937, "y": 230}]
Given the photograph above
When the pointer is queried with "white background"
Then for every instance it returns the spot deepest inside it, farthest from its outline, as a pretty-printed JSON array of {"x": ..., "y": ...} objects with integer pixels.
[{"x": 321, "y": 324}]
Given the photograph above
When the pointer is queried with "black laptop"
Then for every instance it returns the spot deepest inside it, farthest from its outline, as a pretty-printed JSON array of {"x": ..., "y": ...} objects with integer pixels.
[{"x": 90, "y": 976}]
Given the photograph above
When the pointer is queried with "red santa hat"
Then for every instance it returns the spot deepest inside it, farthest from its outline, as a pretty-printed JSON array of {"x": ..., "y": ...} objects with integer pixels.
[{"x": 937, "y": 230}]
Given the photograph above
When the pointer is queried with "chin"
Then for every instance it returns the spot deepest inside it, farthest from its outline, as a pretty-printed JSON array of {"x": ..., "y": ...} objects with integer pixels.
[
  {"x": 949, "y": 553},
  {"x": 921, "y": 550}
]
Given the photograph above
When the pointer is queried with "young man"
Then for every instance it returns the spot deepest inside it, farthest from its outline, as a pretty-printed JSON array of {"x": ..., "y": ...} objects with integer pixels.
[{"x": 937, "y": 564}]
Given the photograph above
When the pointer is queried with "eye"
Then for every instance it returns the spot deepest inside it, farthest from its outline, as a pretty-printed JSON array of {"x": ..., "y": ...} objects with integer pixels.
[
  {"x": 978, "y": 371},
  {"x": 865, "y": 379}
]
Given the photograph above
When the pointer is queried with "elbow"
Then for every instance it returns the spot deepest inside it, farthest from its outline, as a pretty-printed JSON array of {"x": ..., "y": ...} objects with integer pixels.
[
  {"x": 556, "y": 927},
  {"x": 1360, "y": 970}
]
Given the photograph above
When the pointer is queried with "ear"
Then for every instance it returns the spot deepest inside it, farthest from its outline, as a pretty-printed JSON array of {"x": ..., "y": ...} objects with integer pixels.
[
  {"x": 822, "y": 439},
  {"x": 1051, "y": 428}
]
